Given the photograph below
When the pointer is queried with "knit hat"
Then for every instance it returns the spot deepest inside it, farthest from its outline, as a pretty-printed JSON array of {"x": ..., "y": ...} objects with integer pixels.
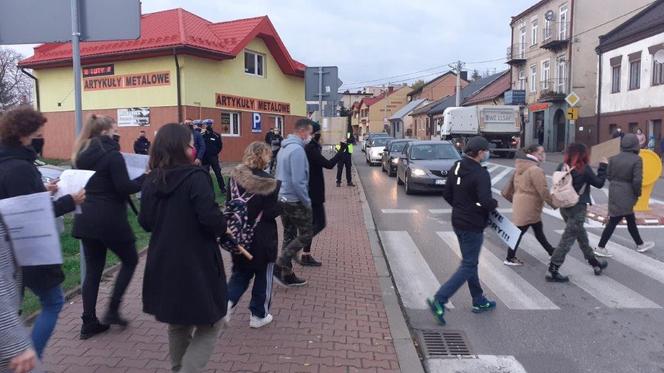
[
  {"x": 630, "y": 143},
  {"x": 315, "y": 127},
  {"x": 476, "y": 144}
]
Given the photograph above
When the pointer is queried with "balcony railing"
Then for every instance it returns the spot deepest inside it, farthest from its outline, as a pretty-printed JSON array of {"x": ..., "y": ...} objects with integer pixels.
[
  {"x": 553, "y": 90},
  {"x": 516, "y": 54},
  {"x": 556, "y": 35}
]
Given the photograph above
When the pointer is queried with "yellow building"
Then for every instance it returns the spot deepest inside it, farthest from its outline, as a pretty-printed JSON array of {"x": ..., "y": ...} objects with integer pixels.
[
  {"x": 372, "y": 114},
  {"x": 238, "y": 73}
]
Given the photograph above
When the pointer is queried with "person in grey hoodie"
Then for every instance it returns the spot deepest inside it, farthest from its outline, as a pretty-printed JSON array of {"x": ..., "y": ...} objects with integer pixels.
[{"x": 296, "y": 216}]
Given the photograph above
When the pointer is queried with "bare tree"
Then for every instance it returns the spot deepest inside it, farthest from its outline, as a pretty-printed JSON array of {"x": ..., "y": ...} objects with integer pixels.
[
  {"x": 417, "y": 84},
  {"x": 476, "y": 75},
  {"x": 15, "y": 87}
]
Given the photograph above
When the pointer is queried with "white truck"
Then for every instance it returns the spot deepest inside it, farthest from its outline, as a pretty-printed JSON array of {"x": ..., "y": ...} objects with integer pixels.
[{"x": 500, "y": 124}]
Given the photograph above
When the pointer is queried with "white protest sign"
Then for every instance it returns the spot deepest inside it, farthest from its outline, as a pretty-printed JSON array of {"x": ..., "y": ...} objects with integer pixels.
[
  {"x": 50, "y": 173},
  {"x": 72, "y": 181},
  {"x": 504, "y": 228},
  {"x": 32, "y": 229},
  {"x": 137, "y": 164}
]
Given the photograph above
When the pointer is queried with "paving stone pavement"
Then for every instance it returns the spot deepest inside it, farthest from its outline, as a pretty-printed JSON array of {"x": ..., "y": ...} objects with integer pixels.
[{"x": 337, "y": 323}]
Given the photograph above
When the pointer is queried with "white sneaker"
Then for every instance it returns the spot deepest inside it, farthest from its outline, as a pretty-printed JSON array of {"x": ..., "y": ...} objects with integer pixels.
[
  {"x": 603, "y": 252},
  {"x": 256, "y": 322},
  {"x": 229, "y": 312},
  {"x": 645, "y": 246}
]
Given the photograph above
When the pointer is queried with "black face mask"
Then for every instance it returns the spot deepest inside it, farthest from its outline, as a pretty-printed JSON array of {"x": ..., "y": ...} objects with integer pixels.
[
  {"x": 116, "y": 138},
  {"x": 317, "y": 137}
]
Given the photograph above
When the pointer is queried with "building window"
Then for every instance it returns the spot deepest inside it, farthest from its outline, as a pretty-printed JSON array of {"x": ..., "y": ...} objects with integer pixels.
[
  {"x": 279, "y": 124},
  {"x": 533, "y": 32},
  {"x": 546, "y": 74},
  {"x": 547, "y": 29},
  {"x": 562, "y": 75},
  {"x": 562, "y": 26},
  {"x": 657, "y": 73},
  {"x": 615, "y": 79},
  {"x": 635, "y": 74},
  {"x": 522, "y": 79},
  {"x": 230, "y": 123},
  {"x": 633, "y": 126},
  {"x": 533, "y": 78},
  {"x": 522, "y": 41},
  {"x": 254, "y": 63}
]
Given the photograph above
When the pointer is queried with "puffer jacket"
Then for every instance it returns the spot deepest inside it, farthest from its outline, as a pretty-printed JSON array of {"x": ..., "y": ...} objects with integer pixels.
[{"x": 625, "y": 174}]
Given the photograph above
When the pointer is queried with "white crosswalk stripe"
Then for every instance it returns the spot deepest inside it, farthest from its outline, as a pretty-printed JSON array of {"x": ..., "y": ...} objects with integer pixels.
[
  {"x": 398, "y": 211},
  {"x": 412, "y": 275},
  {"x": 603, "y": 288},
  {"x": 509, "y": 287},
  {"x": 500, "y": 176},
  {"x": 449, "y": 211}
]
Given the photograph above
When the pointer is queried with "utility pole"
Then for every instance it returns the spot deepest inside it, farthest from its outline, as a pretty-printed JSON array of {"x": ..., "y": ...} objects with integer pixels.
[{"x": 457, "y": 69}]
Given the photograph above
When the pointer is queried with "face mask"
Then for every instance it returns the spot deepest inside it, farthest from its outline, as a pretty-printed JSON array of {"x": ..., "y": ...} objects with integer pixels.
[
  {"x": 37, "y": 142},
  {"x": 116, "y": 138},
  {"x": 307, "y": 140},
  {"x": 543, "y": 159},
  {"x": 487, "y": 155}
]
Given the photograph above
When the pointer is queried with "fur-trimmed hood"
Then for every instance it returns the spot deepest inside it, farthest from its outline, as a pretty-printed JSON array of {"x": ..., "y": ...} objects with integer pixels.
[{"x": 254, "y": 181}]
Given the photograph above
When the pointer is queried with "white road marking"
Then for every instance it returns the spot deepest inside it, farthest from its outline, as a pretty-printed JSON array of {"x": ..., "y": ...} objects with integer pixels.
[
  {"x": 480, "y": 364},
  {"x": 492, "y": 167},
  {"x": 449, "y": 211},
  {"x": 413, "y": 276},
  {"x": 603, "y": 288},
  {"x": 500, "y": 176},
  {"x": 399, "y": 211},
  {"x": 512, "y": 289}
]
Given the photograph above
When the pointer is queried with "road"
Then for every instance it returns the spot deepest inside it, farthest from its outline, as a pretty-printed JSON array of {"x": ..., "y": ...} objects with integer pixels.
[{"x": 611, "y": 323}]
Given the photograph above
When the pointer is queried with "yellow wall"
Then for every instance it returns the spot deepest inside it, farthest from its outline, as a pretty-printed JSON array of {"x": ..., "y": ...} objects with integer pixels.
[
  {"x": 386, "y": 107},
  {"x": 202, "y": 78},
  {"x": 56, "y": 85}
]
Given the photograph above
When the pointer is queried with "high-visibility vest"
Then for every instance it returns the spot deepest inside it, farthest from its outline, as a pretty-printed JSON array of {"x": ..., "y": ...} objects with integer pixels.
[{"x": 350, "y": 148}]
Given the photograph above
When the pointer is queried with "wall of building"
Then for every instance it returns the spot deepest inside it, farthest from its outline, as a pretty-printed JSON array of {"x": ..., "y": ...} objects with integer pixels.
[
  {"x": 386, "y": 107},
  {"x": 442, "y": 87}
]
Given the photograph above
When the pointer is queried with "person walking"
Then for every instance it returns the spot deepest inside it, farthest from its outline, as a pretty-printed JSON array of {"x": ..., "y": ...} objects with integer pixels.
[
  {"x": 274, "y": 139},
  {"x": 625, "y": 175},
  {"x": 317, "y": 188},
  {"x": 16, "y": 352},
  {"x": 250, "y": 181},
  {"x": 19, "y": 176},
  {"x": 468, "y": 191},
  {"x": 199, "y": 143},
  {"x": 294, "y": 200},
  {"x": 184, "y": 284},
  {"x": 583, "y": 178},
  {"x": 102, "y": 225},
  {"x": 641, "y": 137},
  {"x": 213, "y": 146},
  {"x": 142, "y": 144},
  {"x": 528, "y": 192},
  {"x": 346, "y": 160}
]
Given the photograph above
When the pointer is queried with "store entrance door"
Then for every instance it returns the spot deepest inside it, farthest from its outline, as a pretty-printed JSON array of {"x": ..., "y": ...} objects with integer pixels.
[{"x": 560, "y": 122}]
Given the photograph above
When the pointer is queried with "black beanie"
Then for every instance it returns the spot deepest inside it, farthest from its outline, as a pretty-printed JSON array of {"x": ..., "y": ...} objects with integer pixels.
[{"x": 476, "y": 144}]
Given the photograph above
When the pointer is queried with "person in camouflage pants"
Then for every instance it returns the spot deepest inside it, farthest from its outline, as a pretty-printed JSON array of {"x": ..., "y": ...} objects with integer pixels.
[{"x": 298, "y": 233}]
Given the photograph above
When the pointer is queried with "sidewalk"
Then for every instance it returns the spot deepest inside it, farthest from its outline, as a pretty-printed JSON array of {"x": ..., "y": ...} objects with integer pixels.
[{"x": 337, "y": 323}]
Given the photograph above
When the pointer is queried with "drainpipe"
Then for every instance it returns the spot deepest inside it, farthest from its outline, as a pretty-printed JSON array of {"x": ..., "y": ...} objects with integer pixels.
[
  {"x": 36, "y": 85},
  {"x": 570, "y": 48},
  {"x": 177, "y": 85},
  {"x": 599, "y": 94}
]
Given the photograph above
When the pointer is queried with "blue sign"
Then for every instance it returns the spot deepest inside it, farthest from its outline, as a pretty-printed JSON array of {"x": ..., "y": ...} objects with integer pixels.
[
  {"x": 515, "y": 97},
  {"x": 256, "y": 123}
]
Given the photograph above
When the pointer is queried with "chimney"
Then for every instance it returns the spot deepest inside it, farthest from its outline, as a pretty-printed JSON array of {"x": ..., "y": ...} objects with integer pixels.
[
  {"x": 390, "y": 89},
  {"x": 464, "y": 75}
]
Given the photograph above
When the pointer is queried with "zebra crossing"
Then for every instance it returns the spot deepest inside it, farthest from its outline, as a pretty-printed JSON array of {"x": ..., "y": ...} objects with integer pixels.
[{"x": 415, "y": 279}]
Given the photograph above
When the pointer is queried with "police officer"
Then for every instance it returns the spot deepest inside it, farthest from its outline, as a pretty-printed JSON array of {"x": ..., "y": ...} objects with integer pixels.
[
  {"x": 213, "y": 147},
  {"x": 345, "y": 160}
]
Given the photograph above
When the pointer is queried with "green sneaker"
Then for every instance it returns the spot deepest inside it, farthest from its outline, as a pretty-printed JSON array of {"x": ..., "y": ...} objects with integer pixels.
[
  {"x": 438, "y": 310},
  {"x": 484, "y": 306}
]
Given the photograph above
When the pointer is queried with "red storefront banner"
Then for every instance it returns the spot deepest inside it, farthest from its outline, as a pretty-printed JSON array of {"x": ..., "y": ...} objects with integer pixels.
[
  {"x": 151, "y": 79},
  {"x": 251, "y": 104}
]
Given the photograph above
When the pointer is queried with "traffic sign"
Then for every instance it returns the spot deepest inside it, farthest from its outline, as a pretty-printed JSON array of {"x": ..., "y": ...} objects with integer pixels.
[
  {"x": 572, "y": 99},
  {"x": 572, "y": 113}
]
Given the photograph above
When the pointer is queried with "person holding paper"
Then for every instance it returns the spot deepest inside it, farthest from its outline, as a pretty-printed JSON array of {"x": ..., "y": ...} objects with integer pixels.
[
  {"x": 19, "y": 176},
  {"x": 184, "y": 284},
  {"x": 102, "y": 225}
]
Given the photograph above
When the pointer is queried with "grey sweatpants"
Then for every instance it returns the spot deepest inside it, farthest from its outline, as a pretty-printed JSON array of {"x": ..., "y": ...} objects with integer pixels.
[
  {"x": 190, "y": 346},
  {"x": 574, "y": 218}
]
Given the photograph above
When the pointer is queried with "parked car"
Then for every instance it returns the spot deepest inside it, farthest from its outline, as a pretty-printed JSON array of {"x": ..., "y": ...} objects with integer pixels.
[
  {"x": 369, "y": 137},
  {"x": 424, "y": 165},
  {"x": 391, "y": 154},
  {"x": 375, "y": 146}
]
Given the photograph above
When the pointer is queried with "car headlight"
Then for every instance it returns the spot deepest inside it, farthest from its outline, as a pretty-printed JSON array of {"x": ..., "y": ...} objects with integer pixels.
[
  {"x": 418, "y": 172},
  {"x": 395, "y": 160}
]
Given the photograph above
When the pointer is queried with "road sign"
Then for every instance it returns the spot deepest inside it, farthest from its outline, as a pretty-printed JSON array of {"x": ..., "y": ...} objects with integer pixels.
[
  {"x": 572, "y": 99},
  {"x": 256, "y": 123},
  {"x": 322, "y": 83},
  {"x": 572, "y": 113}
]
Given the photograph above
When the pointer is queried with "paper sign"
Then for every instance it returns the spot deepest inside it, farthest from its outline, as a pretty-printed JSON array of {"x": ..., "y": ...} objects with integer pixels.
[
  {"x": 606, "y": 149},
  {"x": 72, "y": 181},
  {"x": 32, "y": 229},
  {"x": 505, "y": 229},
  {"x": 50, "y": 173},
  {"x": 137, "y": 164}
]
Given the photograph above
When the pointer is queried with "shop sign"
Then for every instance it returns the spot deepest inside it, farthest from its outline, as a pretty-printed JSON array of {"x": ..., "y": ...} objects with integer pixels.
[
  {"x": 151, "y": 79},
  {"x": 538, "y": 107},
  {"x": 134, "y": 117},
  {"x": 251, "y": 104},
  {"x": 256, "y": 123},
  {"x": 101, "y": 70}
]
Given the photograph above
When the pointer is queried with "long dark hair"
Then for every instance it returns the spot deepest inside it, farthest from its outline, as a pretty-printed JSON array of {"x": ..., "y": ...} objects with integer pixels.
[
  {"x": 576, "y": 156},
  {"x": 169, "y": 148}
]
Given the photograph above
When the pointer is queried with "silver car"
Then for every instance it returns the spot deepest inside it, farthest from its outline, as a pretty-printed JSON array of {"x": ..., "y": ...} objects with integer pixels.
[{"x": 424, "y": 165}]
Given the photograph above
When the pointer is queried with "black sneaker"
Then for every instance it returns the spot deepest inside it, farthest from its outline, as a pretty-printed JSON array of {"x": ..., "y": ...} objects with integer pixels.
[
  {"x": 92, "y": 328},
  {"x": 351, "y": 184},
  {"x": 338, "y": 184},
  {"x": 309, "y": 261},
  {"x": 114, "y": 318},
  {"x": 288, "y": 281},
  {"x": 599, "y": 266},
  {"x": 554, "y": 276}
]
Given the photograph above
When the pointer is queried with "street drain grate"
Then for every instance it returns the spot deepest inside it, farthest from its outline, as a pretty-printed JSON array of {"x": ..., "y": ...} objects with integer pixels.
[{"x": 444, "y": 343}]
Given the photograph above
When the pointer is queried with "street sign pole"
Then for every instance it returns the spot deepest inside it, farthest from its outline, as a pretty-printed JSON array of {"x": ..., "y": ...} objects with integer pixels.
[{"x": 320, "y": 94}]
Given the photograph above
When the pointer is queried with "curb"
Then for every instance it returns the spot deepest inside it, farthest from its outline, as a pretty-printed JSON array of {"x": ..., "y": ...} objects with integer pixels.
[{"x": 409, "y": 360}]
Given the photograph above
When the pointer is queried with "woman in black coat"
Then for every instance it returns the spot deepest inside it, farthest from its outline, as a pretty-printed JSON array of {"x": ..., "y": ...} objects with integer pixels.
[
  {"x": 260, "y": 190},
  {"x": 19, "y": 176},
  {"x": 103, "y": 224},
  {"x": 184, "y": 284}
]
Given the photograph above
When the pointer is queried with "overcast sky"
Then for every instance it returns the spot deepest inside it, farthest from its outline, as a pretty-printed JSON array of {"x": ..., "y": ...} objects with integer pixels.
[{"x": 375, "y": 40}]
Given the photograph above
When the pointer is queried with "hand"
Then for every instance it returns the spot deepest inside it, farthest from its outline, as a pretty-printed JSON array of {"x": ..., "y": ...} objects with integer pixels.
[
  {"x": 604, "y": 160},
  {"x": 79, "y": 197},
  {"x": 197, "y": 162},
  {"x": 23, "y": 363},
  {"x": 51, "y": 186}
]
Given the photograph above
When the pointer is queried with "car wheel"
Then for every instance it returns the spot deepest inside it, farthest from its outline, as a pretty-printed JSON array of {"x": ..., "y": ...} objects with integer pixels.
[
  {"x": 390, "y": 173},
  {"x": 407, "y": 186},
  {"x": 399, "y": 182}
]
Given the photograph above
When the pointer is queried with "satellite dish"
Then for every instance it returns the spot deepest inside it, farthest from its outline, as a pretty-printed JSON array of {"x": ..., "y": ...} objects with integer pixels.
[
  {"x": 659, "y": 56},
  {"x": 549, "y": 15}
]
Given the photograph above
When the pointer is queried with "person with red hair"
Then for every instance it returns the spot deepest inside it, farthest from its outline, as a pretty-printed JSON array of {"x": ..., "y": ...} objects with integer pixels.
[{"x": 583, "y": 177}]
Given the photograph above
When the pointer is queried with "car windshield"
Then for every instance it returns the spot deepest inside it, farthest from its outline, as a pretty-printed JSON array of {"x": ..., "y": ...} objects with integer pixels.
[
  {"x": 380, "y": 141},
  {"x": 433, "y": 151},
  {"x": 398, "y": 147}
]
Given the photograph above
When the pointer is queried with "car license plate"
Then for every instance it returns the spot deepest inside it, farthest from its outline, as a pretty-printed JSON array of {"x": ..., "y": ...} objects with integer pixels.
[{"x": 440, "y": 182}]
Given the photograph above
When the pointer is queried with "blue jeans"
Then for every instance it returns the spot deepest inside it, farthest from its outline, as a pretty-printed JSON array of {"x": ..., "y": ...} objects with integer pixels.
[
  {"x": 470, "y": 244},
  {"x": 51, "y": 301}
]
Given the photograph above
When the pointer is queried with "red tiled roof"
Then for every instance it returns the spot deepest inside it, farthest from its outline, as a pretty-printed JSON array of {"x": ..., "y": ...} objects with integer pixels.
[
  {"x": 174, "y": 30},
  {"x": 492, "y": 90},
  {"x": 372, "y": 100}
]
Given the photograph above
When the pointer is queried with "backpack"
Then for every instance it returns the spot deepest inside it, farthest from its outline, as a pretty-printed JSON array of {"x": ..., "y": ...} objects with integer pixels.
[
  {"x": 563, "y": 193},
  {"x": 236, "y": 213}
]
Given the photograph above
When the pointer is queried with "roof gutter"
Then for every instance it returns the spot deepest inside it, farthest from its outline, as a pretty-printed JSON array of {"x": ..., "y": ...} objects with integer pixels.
[
  {"x": 177, "y": 85},
  {"x": 36, "y": 85}
]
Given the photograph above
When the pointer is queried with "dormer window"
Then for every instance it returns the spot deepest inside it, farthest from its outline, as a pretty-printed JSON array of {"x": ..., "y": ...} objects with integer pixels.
[{"x": 254, "y": 63}]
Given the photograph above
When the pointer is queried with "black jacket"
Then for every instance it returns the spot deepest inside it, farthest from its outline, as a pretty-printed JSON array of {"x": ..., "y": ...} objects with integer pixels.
[
  {"x": 587, "y": 178},
  {"x": 184, "y": 280},
  {"x": 104, "y": 212},
  {"x": 213, "y": 144},
  {"x": 316, "y": 163},
  {"x": 470, "y": 196},
  {"x": 265, "y": 190},
  {"x": 19, "y": 176},
  {"x": 142, "y": 146}
]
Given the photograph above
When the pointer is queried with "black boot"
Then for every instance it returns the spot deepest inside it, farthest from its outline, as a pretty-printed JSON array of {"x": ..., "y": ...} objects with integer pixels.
[
  {"x": 598, "y": 265},
  {"x": 113, "y": 317},
  {"x": 338, "y": 184},
  {"x": 91, "y": 327},
  {"x": 554, "y": 275},
  {"x": 307, "y": 260}
]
